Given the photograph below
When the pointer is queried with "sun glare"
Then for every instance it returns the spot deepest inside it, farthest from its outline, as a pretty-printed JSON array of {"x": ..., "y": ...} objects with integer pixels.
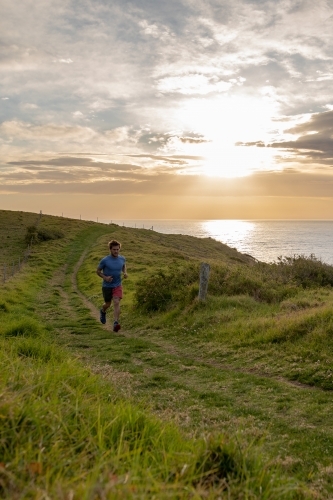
[
  {"x": 224, "y": 121},
  {"x": 235, "y": 161}
]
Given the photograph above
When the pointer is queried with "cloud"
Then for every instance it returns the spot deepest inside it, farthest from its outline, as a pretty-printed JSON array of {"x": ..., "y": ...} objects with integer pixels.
[
  {"x": 192, "y": 140},
  {"x": 259, "y": 144},
  {"x": 170, "y": 160},
  {"x": 29, "y": 106},
  {"x": 65, "y": 61},
  {"x": 67, "y": 170},
  {"x": 62, "y": 137},
  {"x": 155, "y": 31},
  {"x": 83, "y": 175},
  {"x": 318, "y": 123},
  {"x": 50, "y": 132},
  {"x": 314, "y": 144},
  {"x": 192, "y": 84},
  {"x": 167, "y": 141}
]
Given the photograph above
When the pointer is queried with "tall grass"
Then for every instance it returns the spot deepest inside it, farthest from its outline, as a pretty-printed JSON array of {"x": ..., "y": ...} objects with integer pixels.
[{"x": 66, "y": 432}]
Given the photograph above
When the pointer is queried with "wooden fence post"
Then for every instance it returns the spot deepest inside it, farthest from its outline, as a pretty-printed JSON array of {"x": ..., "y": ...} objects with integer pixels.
[{"x": 204, "y": 277}]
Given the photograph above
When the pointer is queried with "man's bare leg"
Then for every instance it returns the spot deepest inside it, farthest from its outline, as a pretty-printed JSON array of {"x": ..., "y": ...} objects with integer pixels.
[
  {"x": 116, "y": 308},
  {"x": 116, "y": 313},
  {"x": 106, "y": 306}
]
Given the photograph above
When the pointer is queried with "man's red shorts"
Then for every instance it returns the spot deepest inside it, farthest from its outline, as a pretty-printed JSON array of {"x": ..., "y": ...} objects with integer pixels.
[{"x": 109, "y": 293}]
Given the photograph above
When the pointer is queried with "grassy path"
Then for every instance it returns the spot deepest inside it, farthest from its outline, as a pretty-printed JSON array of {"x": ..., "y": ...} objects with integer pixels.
[{"x": 180, "y": 379}]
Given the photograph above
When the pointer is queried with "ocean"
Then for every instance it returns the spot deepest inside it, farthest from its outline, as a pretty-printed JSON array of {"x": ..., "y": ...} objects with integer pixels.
[{"x": 265, "y": 240}]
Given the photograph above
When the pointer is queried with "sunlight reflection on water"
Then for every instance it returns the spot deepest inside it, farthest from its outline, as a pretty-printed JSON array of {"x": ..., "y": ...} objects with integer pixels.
[{"x": 234, "y": 232}]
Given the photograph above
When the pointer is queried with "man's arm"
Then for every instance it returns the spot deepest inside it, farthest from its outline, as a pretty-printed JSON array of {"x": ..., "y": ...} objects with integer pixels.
[
  {"x": 99, "y": 272},
  {"x": 125, "y": 270}
]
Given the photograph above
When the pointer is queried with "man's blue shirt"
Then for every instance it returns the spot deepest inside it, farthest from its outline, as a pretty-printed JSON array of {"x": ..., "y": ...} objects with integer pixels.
[{"x": 112, "y": 266}]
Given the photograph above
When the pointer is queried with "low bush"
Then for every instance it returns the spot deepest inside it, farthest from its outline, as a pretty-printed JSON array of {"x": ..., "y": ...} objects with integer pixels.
[
  {"x": 305, "y": 271},
  {"x": 254, "y": 281},
  {"x": 271, "y": 282},
  {"x": 37, "y": 234},
  {"x": 158, "y": 291}
]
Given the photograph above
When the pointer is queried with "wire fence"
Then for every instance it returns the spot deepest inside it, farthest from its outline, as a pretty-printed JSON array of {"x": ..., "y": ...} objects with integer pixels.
[
  {"x": 118, "y": 222},
  {"x": 9, "y": 269}
]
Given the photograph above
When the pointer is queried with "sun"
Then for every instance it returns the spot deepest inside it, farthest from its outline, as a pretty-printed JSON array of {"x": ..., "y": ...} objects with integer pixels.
[{"x": 224, "y": 122}]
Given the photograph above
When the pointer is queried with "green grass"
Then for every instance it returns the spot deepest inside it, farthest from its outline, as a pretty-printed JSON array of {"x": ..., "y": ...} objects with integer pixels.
[
  {"x": 231, "y": 398},
  {"x": 66, "y": 432}
]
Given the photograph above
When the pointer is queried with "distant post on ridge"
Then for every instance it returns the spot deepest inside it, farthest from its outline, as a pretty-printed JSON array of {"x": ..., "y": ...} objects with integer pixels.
[{"x": 204, "y": 277}]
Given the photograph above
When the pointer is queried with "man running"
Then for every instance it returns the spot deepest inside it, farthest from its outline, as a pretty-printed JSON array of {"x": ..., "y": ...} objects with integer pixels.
[{"x": 110, "y": 269}]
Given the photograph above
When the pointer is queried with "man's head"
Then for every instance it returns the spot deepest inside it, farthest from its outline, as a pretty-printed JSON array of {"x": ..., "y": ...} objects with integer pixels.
[{"x": 114, "y": 247}]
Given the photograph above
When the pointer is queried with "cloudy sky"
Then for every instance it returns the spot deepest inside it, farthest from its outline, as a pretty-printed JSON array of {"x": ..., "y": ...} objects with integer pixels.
[{"x": 167, "y": 109}]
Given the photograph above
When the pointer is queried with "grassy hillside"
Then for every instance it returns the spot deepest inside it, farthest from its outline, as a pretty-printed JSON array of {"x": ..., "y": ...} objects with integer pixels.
[{"x": 238, "y": 388}]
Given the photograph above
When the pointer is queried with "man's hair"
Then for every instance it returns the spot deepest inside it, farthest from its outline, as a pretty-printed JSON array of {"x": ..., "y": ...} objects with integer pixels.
[{"x": 114, "y": 243}]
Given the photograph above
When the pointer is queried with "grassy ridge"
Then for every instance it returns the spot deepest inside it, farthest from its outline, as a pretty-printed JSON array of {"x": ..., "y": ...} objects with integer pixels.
[{"x": 66, "y": 433}]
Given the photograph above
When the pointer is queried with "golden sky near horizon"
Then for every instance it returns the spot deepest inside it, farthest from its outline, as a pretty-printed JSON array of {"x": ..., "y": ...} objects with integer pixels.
[{"x": 183, "y": 109}]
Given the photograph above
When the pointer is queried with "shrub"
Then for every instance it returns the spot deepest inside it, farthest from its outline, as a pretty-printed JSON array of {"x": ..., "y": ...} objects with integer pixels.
[
  {"x": 271, "y": 282},
  {"x": 36, "y": 234},
  {"x": 158, "y": 291},
  {"x": 306, "y": 271},
  {"x": 45, "y": 234},
  {"x": 30, "y": 235},
  {"x": 257, "y": 281}
]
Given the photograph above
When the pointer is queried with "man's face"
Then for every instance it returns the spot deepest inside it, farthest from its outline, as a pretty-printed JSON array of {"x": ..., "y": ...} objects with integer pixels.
[{"x": 115, "y": 251}]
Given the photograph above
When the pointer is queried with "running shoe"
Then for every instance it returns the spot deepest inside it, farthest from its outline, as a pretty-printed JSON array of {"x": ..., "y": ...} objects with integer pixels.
[
  {"x": 102, "y": 316},
  {"x": 116, "y": 326}
]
